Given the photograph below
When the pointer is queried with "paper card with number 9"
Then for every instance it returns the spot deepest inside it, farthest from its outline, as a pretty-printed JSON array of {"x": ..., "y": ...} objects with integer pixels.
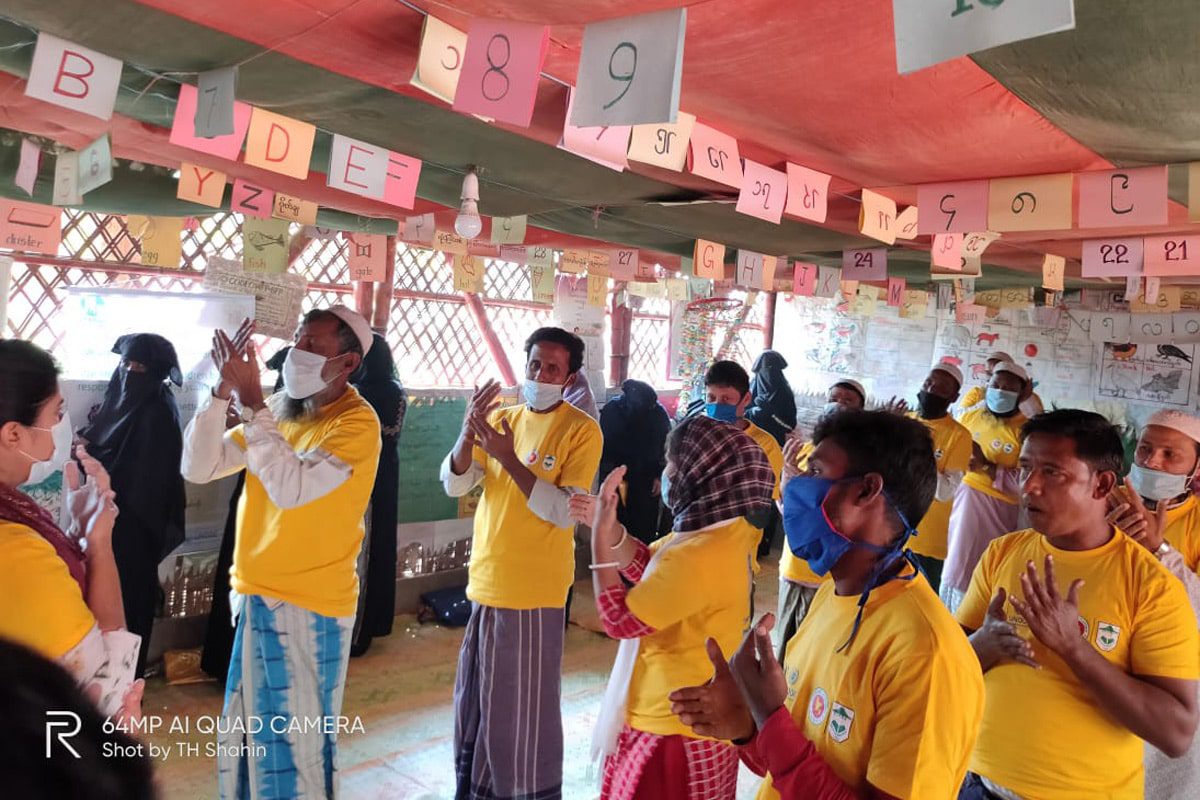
[{"x": 501, "y": 69}]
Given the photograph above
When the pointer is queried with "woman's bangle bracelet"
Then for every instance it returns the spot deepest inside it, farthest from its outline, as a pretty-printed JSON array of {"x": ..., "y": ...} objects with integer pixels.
[
  {"x": 613, "y": 564},
  {"x": 621, "y": 541}
]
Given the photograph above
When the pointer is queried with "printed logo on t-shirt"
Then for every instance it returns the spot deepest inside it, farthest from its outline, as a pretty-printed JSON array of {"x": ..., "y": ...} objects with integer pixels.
[
  {"x": 1008, "y": 448},
  {"x": 818, "y": 706},
  {"x": 1107, "y": 636},
  {"x": 1084, "y": 628},
  {"x": 532, "y": 458},
  {"x": 792, "y": 677},
  {"x": 997, "y": 444},
  {"x": 839, "y": 722},
  {"x": 938, "y": 453},
  {"x": 548, "y": 463}
]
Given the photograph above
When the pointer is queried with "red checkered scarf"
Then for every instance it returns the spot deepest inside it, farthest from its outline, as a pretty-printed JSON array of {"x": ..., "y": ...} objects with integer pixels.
[{"x": 721, "y": 474}]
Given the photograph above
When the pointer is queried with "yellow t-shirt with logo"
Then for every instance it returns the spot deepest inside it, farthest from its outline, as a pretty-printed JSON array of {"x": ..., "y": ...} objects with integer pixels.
[
  {"x": 700, "y": 588},
  {"x": 1000, "y": 440},
  {"x": 952, "y": 451},
  {"x": 42, "y": 606},
  {"x": 1183, "y": 531},
  {"x": 772, "y": 450},
  {"x": 900, "y": 707},
  {"x": 308, "y": 555},
  {"x": 518, "y": 559},
  {"x": 795, "y": 569},
  {"x": 977, "y": 394},
  {"x": 1043, "y": 734}
]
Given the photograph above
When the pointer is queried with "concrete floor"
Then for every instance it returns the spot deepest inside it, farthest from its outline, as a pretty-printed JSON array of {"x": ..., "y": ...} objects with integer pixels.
[{"x": 402, "y": 689}]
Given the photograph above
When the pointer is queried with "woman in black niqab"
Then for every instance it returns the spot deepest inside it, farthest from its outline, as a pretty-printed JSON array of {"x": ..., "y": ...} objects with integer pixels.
[
  {"x": 773, "y": 404},
  {"x": 635, "y": 428}
]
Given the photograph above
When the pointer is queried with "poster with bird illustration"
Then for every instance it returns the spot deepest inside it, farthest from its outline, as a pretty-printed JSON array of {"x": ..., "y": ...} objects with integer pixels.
[{"x": 1146, "y": 372}]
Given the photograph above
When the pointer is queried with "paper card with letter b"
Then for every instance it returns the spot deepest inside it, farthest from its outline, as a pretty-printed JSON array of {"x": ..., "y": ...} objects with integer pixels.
[{"x": 74, "y": 77}]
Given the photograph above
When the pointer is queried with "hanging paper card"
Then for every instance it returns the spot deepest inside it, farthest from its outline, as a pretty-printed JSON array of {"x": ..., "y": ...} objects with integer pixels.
[
  {"x": 1194, "y": 191},
  {"x": 947, "y": 251},
  {"x": 807, "y": 194},
  {"x": 161, "y": 245},
  {"x": 468, "y": 274},
  {"x": 574, "y": 261},
  {"x": 214, "y": 102},
  {"x": 279, "y": 144},
  {"x": 403, "y": 175},
  {"x": 251, "y": 200},
  {"x": 74, "y": 77},
  {"x": 623, "y": 264},
  {"x": 677, "y": 289},
  {"x": 646, "y": 269},
  {"x": 945, "y": 293},
  {"x": 27, "y": 168},
  {"x": 200, "y": 185},
  {"x": 763, "y": 193},
  {"x": 804, "y": 279},
  {"x": 597, "y": 291},
  {"x": 630, "y": 69},
  {"x": 66, "y": 180},
  {"x": 509, "y": 230},
  {"x": 183, "y": 132},
  {"x": 1053, "y": 269},
  {"x": 915, "y": 304},
  {"x": 1167, "y": 300},
  {"x": 477, "y": 247},
  {"x": 357, "y": 167},
  {"x": 969, "y": 314},
  {"x": 663, "y": 144},
  {"x": 606, "y": 146},
  {"x": 865, "y": 265},
  {"x": 265, "y": 245},
  {"x": 1109, "y": 327},
  {"x": 907, "y": 223},
  {"x": 440, "y": 61},
  {"x": 1112, "y": 258},
  {"x": 714, "y": 155},
  {"x": 749, "y": 269},
  {"x": 29, "y": 227},
  {"x": 1172, "y": 255},
  {"x": 929, "y": 33},
  {"x": 953, "y": 207},
  {"x": 598, "y": 262},
  {"x": 848, "y": 289},
  {"x": 784, "y": 279},
  {"x": 514, "y": 253},
  {"x": 367, "y": 256},
  {"x": 541, "y": 281},
  {"x": 294, "y": 209},
  {"x": 1152, "y": 287},
  {"x": 975, "y": 243},
  {"x": 877, "y": 217},
  {"x": 709, "y": 260},
  {"x": 420, "y": 229},
  {"x": 829, "y": 280},
  {"x": 541, "y": 255},
  {"x": 895, "y": 291},
  {"x": 866, "y": 300},
  {"x": 95, "y": 165},
  {"x": 1033, "y": 203},
  {"x": 1123, "y": 197},
  {"x": 449, "y": 242},
  {"x": 501, "y": 69}
]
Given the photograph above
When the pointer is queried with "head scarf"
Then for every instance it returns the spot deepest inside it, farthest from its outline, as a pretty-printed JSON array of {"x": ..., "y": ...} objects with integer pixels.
[
  {"x": 376, "y": 381},
  {"x": 721, "y": 474},
  {"x": 18, "y": 507},
  {"x": 773, "y": 407}
]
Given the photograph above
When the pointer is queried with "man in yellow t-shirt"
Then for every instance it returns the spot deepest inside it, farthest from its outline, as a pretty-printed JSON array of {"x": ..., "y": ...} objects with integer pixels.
[
  {"x": 1031, "y": 406},
  {"x": 952, "y": 451},
  {"x": 985, "y": 505},
  {"x": 879, "y": 694},
  {"x": 310, "y": 453},
  {"x": 1158, "y": 509},
  {"x": 1079, "y": 630},
  {"x": 798, "y": 584},
  {"x": 530, "y": 459}
]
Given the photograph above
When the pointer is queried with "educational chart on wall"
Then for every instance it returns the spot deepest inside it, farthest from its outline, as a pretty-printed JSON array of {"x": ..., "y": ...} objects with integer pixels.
[
  {"x": 431, "y": 426},
  {"x": 1156, "y": 374}
]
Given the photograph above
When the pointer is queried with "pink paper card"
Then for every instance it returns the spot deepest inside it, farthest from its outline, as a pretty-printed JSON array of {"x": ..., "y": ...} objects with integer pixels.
[
  {"x": 947, "y": 250},
  {"x": 807, "y": 194},
  {"x": 906, "y": 223},
  {"x": 514, "y": 253},
  {"x": 952, "y": 207},
  {"x": 251, "y": 200},
  {"x": 623, "y": 264},
  {"x": 895, "y": 291},
  {"x": 604, "y": 145},
  {"x": 1119, "y": 197},
  {"x": 29, "y": 227},
  {"x": 969, "y": 314},
  {"x": 1112, "y": 258},
  {"x": 714, "y": 155},
  {"x": 1172, "y": 255},
  {"x": 868, "y": 264},
  {"x": 501, "y": 69},
  {"x": 1133, "y": 284},
  {"x": 804, "y": 279},
  {"x": 27, "y": 169},
  {"x": 367, "y": 256},
  {"x": 764, "y": 192},
  {"x": 1153, "y": 286},
  {"x": 183, "y": 128},
  {"x": 403, "y": 174}
]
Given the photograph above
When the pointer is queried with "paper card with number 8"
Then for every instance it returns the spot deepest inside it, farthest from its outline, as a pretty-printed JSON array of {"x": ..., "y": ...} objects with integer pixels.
[{"x": 501, "y": 69}]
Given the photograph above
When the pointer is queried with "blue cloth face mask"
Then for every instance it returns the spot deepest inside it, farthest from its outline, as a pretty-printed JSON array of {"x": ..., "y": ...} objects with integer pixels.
[
  {"x": 665, "y": 482},
  {"x": 721, "y": 412},
  {"x": 810, "y": 534},
  {"x": 1000, "y": 401}
]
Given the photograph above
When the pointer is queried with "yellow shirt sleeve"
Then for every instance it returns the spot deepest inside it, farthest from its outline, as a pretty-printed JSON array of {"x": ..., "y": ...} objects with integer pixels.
[
  {"x": 959, "y": 455},
  {"x": 676, "y": 589},
  {"x": 44, "y": 607},
  {"x": 972, "y": 397},
  {"x": 1166, "y": 643},
  {"x": 583, "y": 458}
]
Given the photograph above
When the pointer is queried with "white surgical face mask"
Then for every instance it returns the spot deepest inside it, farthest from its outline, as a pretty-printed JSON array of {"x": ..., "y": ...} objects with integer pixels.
[
  {"x": 999, "y": 401},
  {"x": 1155, "y": 485},
  {"x": 541, "y": 396},
  {"x": 63, "y": 436},
  {"x": 302, "y": 374},
  {"x": 830, "y": 408}
]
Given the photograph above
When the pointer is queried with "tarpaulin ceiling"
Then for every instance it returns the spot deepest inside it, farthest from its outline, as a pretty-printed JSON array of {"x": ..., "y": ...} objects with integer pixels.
[{"x": 811, "y": 83}]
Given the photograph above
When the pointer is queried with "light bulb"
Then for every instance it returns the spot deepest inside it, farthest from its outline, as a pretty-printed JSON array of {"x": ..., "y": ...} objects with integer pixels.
[{"x": 468, "y": 224}]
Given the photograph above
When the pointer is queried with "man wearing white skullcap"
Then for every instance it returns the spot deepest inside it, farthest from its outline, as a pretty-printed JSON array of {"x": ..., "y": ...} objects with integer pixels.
[
  {"x": 1031, "y": 406},
  {"x": 986, "y": 503},
  {"x": 310, "y": 453},
  {"x": 1158, "y": 509}
]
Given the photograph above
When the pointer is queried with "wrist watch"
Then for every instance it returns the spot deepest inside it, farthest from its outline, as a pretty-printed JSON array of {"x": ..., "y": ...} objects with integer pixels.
[{"x": 1162, "y": 550}]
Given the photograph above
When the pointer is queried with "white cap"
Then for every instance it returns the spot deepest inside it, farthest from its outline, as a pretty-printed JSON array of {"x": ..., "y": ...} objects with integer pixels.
[
  {"x": 1186, "y": 424},
  {"x": 853, "y": 384},
  {"x": 1012, "y": 369},
  {"x": 951, "y": 370},
  {"x": 1000, "y": 355},
  {"x": 356, "y": 323}
]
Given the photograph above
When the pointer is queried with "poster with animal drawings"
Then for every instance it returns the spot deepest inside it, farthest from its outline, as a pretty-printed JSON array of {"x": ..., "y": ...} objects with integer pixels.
[{"x": 1156, "y": 374}]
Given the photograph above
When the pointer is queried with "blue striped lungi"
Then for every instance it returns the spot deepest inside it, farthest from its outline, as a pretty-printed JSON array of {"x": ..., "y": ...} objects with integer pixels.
[{"x": 287, "y": 674}]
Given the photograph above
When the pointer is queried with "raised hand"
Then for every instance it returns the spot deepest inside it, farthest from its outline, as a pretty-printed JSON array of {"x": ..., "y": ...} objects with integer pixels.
[
  {"x": 997, "y": 640},
  {"x": 1052, "y": 618},
  {"x": 238, "y": 368},
  {"x": 896, "y": 405},
  {"x": 715, "y": 709},
  {"x": 499, "y": 444},
  {"x": 1128, "y": 512},
  {"x": 605, "y": 527},
  {"x": 758, "y": 673},
  {"x": 89, "y": 497},
  {"x": 483, "y": 402},
  {"x": 791, "y": 457}
]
